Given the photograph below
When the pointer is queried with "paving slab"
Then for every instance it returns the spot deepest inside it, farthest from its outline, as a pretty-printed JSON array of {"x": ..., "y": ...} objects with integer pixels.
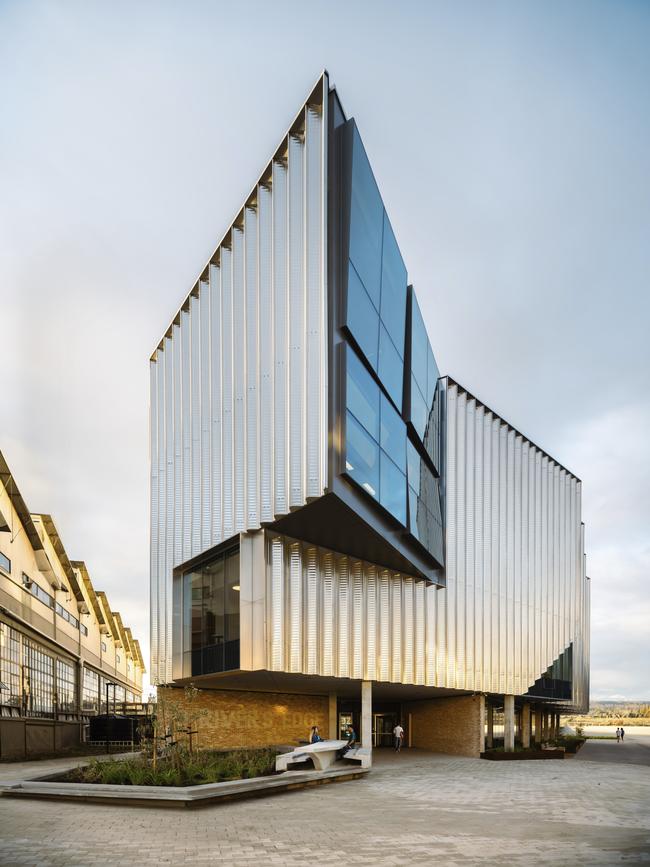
[{"x": 415, "y": 808}]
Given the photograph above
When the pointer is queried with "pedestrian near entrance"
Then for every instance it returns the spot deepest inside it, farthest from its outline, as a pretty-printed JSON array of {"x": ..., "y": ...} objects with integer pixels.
[
  {"x": 618, "y": 735},
  {"x": 622, "y": 734},
  {"x": 314, "y": 737},
  {"x": 398, "y": 737}
]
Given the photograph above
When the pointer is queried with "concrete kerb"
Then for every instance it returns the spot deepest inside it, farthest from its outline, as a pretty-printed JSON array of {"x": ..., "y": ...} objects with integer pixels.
[{"x": 179, "y": 796}]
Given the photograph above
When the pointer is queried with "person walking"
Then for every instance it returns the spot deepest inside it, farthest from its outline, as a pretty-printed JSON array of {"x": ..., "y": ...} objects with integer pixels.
[
  {"x": 618, "y": 735},
  {"x": 314, "y": 737},
  {"x": 398, "y": 737},
  {"x": 622, "y": 734}
]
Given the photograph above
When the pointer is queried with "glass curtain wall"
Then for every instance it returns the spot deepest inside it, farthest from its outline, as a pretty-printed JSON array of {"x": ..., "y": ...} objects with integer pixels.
[
  {"x": 376, "y": 298},
  {"x": 375, "y": 455},
  {"x": 211, "y": 616}
]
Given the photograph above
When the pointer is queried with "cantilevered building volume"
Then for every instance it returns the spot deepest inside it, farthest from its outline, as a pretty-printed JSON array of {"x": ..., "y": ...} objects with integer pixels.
[{"x": 327, "y": 511}]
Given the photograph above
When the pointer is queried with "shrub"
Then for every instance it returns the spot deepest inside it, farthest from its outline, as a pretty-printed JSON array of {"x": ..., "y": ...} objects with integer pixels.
[{"x": 181, "y": 768}]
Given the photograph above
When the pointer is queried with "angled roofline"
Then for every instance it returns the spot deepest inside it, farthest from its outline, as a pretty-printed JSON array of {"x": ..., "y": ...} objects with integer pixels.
[
  {"x": 90, "y": 591},
  {"x": 59, "y": 550},
  {"x": 108, "y": 617},
  {"x": 316, "y": 96},
  {"x": 511, "y": 427},
  {"x": 13, "y": 492},
  {"x": 122, "y": 633}
]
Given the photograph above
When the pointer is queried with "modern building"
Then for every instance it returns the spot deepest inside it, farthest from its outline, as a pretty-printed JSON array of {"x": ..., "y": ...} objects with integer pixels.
[
  {"x": 64, "y": 654},
  {"x": 338, "y": 533}
]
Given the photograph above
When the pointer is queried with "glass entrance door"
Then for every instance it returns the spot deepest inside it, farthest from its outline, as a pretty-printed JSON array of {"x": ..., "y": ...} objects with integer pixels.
[{"x": 382, "y": 729}]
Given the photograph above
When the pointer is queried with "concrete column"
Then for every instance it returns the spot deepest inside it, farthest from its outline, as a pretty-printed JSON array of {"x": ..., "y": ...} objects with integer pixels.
[
  {"x": 544, "y": 725},
  {"x": 489, "y": 741},
  {"x": 525, "y": 725},
  {"x": 509, "y": 723},
  {"x": 538, "y": 725},
  {"x": 333, "y": 718},
  {"x": 558, "y": 725},
  {"x": 366, "y": 714}
]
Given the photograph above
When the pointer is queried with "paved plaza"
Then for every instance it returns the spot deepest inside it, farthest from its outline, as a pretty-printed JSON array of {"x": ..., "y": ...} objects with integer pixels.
[{"x": 417, "y": 808}]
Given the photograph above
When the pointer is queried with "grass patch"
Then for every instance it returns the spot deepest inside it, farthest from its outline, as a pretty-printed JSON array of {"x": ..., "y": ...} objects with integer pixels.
[{"x": 188, "y": 769}]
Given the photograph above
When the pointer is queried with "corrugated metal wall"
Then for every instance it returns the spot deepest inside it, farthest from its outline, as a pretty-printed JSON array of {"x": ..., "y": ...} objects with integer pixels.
[
  {"x": 516, "y": 596},
  {"x": 239, "y": 384}
]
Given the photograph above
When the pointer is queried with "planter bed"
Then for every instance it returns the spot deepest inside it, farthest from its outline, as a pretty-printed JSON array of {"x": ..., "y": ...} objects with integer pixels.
[
  {"x": 179, "y": 796},
  {"x": 522, "y": 755}
]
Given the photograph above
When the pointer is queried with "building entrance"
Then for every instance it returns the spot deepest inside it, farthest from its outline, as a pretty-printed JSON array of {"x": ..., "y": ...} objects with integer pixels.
[
  {"x": 382, "y": 729},
  {"x": 385, "y": 716}
]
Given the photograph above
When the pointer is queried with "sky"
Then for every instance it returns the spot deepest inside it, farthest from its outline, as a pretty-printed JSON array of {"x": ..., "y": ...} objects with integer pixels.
[{"x": 511, "y": 143}]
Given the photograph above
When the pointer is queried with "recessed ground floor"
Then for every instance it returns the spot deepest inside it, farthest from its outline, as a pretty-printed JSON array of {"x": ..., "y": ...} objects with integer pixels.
[
  {"x": 415, "y": 808},
  {"x": 249, "y": 709}
]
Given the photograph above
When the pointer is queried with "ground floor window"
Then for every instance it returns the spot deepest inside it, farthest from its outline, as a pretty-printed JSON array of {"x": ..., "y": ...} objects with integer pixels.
[
  {"x": 10, "y": 666},
  {"x": 66, "y": 687},
  {"x": 38, "y": 680},
  {"x": 90, "y": 691},
  {"x": 211, "y": 616}
]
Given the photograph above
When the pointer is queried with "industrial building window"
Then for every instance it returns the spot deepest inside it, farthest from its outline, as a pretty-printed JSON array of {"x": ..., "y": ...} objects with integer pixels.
[
  {"x": 104, "y": 646},
  {"x": 83, "y": 629},
  {"x": 375, "y": 453},
  {"x": 118, "y": 658},
  {"x": 376, "y": 305},
  {"x": 66, "y": 687},
  {"x": 10, "y": 666},
  {"x": 41, "y": 594},
  {"x": 211, "y": 616},
  {"x": 39, "y": 680},
  {"x": 90, "y": 691},
  {"x": 5, "y": 562},
  {"x": 70, "y": 618}
]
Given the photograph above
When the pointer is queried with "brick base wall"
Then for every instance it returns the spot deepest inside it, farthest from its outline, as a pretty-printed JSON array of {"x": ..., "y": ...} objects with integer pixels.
[
  {"x": 448, "y": 725},
  {"x": 250, "y": 719}
]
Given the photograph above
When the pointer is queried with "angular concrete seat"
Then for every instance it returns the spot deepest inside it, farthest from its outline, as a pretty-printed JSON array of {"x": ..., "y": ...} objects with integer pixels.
[
  {"x": 323, "y": 755},
  {"x": 363, "y": 755}
]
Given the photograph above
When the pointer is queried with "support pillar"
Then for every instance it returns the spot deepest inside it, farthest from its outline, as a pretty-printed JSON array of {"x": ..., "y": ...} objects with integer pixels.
[
  {"x": 509, "y": 723},
  {"x": 333, "y": 724},
  {"x": 544, "y": 726},
  {"x": 538, "y": 725},
  {"x": 558, "y": 725},
  {"x": 489, "y": 742},
  {"x": 366, "y": 715},
  {"x": 525, "y": 725}
]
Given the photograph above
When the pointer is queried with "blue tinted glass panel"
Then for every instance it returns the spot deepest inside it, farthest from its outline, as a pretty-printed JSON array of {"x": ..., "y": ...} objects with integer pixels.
[
  {"x": 366, "y": 222},
  {"x": 414, "y": 505},
  {"x": 363, "y": 319},
  {"x": 362, "y": 398},
  {"x": 393, "y": 434},
  {"x": 413, "y": 464},
  {"x": 419, "y": 412},
  {"x": 391, "y": 367},
  {"x": 393, "y": 288},
  {"x": 432, "y": 377},
  {"x": 392, "y": 488},
  {"x": 419, "y": 347},
  {"x": 362, "y": 457}
]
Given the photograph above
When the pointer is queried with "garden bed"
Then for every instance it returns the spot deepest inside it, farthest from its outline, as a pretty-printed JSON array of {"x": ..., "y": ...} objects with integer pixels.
[
  {"x": 178, "y": 770},
  {"x": 522, "y": 755}
]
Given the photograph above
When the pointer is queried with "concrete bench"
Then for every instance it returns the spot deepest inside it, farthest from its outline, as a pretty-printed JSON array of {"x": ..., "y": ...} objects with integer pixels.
[
  {"x": 323, "y": 755},
  {"x": 363, "y": 755}
]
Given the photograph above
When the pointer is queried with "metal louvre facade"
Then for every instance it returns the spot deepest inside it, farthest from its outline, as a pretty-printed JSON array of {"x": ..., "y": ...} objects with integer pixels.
[
  {"x": 239, "y": 382},
  {"x": 517, "y": 595}
]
